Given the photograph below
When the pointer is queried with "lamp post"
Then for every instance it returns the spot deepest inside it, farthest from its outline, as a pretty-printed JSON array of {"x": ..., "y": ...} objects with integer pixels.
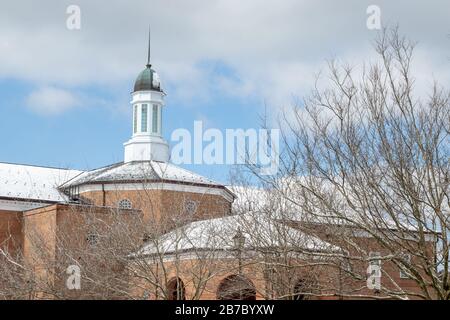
[{"x": 239, "y": 241}]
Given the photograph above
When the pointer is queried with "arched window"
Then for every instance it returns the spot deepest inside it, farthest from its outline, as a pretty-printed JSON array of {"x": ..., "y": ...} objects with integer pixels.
[
  {"x": 303, "y": 289},
  {"x": 92, "y": 238},
  {"x": 176, "y": 290},
  {"x": 236, "y": 287},
  {"x": 144, "y": 118},
  {"x": 160, "y": 120},
  {"x": 190, "y": 207},
  {"x": 155, "y": 119},
  {"x": 125, "y": 204},
  {"x": 135, "y": 114},
  {"x": 146, "y": 295}
]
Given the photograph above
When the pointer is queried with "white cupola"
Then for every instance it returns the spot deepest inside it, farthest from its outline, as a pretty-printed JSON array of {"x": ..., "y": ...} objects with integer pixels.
[{"x": 147, "y": 101}]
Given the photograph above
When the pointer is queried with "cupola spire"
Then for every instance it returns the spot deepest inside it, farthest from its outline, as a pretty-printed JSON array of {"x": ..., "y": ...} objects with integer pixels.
[{"x": 149, "y": 43}]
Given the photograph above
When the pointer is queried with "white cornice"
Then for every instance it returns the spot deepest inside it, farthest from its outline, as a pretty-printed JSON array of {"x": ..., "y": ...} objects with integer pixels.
[
  {"x": 157, "y": 186},
  {"x": 17, "y": 205}
]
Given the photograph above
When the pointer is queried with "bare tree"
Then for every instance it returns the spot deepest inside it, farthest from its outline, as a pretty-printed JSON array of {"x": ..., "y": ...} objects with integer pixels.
[
  {"x": 363, "y": 181},
  {"x": 294, "y": 264},
  {"x": 365, "y": 163}
]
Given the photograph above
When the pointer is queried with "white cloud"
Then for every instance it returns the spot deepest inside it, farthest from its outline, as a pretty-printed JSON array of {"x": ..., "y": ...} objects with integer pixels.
[
  {"x": 275, "y": 47},
  {"x": 50, "y": 101}
]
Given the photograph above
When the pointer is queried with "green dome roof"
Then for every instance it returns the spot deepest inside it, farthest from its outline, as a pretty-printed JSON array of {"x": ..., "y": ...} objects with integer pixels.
[{"x": 148, "y": 79}]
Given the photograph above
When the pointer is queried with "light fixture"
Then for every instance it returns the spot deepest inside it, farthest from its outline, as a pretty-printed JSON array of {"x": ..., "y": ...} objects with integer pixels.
[{"x": 239, "y": 239}]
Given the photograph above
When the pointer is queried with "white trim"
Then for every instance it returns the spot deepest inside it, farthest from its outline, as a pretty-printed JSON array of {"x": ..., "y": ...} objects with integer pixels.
[
  {"x": 17, "y": 205},
  {"x": 190, "y": 255},
  {"x": 156, "y": 186},
  {"x": 149, "y": 96},
  {"x": 201, "y": 254},
  {"x": 365, "y": 234}
]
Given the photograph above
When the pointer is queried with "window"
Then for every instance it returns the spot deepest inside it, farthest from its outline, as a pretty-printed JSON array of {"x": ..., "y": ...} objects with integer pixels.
[
  {"x": 160, "y": 121},
  {"x": 146, "y": 295},
  {"x": 251, "y": 205},
  {"x": 125, "y": 204},
  {"x": 190, "y": 206},
  {"x": 135, "y": 119},
  {"x": 92, "y": 238},
  {"x": 301, "y": 290},
  {"x": 155, "y": 119},
  {"x": 405, "y": 259},
  {"x": 176, "y": 290},
  {"x": 236, "y": 287},
  {"x": 144, "y": 118},
  {"x": 373, "y": 261}
]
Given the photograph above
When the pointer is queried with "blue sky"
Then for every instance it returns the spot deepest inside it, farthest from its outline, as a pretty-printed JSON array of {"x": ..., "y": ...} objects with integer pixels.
[
  {"x": 64, "y": 95},
  {"x": 92, "y": 135}
]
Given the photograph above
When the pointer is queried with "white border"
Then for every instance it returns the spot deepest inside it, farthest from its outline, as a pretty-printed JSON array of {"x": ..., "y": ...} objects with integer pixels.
[
  {"x": 156, "y": 186},
  {"x": 17, "y": 205}
]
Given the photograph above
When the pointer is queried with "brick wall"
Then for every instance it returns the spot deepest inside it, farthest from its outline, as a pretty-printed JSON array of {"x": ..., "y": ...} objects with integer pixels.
[
  {"x": 164, "y": 206},
  {"x": 360, "y": 247},
  {"x": 11, "y": 231},
  {"x": 202, "y": 278}
]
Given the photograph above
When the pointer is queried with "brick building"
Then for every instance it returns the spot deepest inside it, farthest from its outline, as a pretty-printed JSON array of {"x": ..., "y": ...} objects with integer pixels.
[{"x": 198, "y": 247}]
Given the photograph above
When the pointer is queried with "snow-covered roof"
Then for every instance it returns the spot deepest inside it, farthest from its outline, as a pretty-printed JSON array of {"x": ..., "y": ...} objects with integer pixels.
[
  {"x": 248, "y": 198},
  {"x": 217, "y": 234},
  {"x": 168, "y": 171},
  {"x": 253, "y": 199},
  {"x": 287, "y": 203},
  {"x": 139, "y": 171},
  {"x": 33, "y": 183}
]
